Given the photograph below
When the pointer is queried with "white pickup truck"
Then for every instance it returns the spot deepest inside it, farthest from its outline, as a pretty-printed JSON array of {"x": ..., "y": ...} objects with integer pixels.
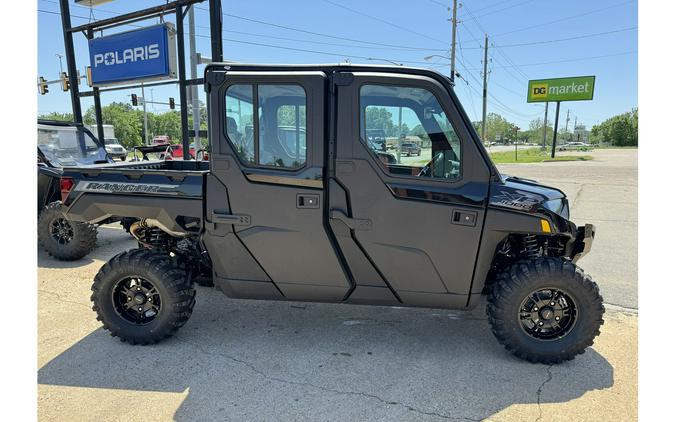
[{"x": 112, "y": 145}]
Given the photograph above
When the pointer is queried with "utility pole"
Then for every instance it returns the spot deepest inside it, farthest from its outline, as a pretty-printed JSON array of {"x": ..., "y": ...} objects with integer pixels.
[
  {"x": 555, "y": 128},
  {"x": 567, "y": 121},
  {"x": 545, "y": 124},
  {"x": 145, "y": 115},
  {"x": 485, "y": 65},
  {"x": 454, "y": 40},
  {"x": 193, "y": 75},
  {"x": 574, "y": 128}
]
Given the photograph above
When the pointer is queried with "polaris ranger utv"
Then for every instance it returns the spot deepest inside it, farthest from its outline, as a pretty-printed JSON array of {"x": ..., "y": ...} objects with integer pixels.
[
  {"x": 66, "y": 144},
  {"x": 295, "y": 204}
]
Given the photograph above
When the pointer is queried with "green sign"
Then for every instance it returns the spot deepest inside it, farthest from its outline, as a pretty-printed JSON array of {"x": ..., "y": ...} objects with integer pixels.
[{"x": 561, "y": 89}]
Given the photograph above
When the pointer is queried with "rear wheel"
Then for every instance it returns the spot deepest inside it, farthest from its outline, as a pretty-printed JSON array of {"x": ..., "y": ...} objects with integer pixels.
[
  {"x": 545, "y": 310},
  {"x": 142, "y": 296},
  {"x": 63, "y": 239}
]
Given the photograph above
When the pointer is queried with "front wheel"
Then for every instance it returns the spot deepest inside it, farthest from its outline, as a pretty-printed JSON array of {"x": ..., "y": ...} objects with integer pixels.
[
  {"x": 63, "y": 239},
  {"x": 545, "y": 310},
  {"x": 142, "y": 296}
]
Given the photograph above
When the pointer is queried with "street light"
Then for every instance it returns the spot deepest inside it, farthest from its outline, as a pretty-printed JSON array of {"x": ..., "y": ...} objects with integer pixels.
[
  {"x": 427, "y": 58},
  {"x": 60, "y": 56},
  {"x": 384, "y": 60}
]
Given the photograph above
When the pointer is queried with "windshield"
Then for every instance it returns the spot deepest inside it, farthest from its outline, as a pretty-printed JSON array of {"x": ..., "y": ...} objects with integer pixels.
[
  {"x": 69, "y": 146},
  {"x": 111, "y": 141}
]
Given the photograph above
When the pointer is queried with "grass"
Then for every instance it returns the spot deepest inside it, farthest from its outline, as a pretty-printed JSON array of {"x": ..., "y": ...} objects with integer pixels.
[{"x": 533, "y": 155}]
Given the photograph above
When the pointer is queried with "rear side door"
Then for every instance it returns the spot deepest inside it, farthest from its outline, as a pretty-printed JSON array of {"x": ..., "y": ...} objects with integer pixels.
[
  {"x": 415, "y": 214},
  {"x": 266, "y": 202}
]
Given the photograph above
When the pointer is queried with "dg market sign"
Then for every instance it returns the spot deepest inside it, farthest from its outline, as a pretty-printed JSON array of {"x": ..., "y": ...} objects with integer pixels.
[
  {"x": 561, "y": 89},
  {"x": 146, "y": 54}
]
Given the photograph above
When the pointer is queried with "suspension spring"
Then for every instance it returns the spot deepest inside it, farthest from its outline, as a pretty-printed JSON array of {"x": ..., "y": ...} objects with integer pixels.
[{"x": 530, "y": 246}]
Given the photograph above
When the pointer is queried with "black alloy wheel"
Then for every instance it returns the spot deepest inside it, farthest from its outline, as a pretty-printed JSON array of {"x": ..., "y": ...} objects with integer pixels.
[
  {"x": 136, "y": 300},
  {"x": 548, "y": 314},
  {"x": 61, "y": 231}
]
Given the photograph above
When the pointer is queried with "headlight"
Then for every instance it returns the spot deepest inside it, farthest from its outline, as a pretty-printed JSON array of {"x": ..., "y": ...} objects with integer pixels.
[{"x": 559, "y": 206}]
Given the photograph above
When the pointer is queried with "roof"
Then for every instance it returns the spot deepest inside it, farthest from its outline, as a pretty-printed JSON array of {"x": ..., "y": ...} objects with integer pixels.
[{"x": 330, "y": 68}]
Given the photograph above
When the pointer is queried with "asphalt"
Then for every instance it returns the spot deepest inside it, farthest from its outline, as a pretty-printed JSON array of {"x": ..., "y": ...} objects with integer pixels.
[{"x": 256, "y": 360}]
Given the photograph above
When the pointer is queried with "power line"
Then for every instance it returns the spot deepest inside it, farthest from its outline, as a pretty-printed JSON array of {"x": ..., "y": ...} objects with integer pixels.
[
  {"x": 318, "y": 34},
  {"x": 596, "y": 34},
  {"x": 383, "y": 21},
  {"x": 502, "y": 9},
  {"x": 490, "y": 6},
  {"x": 572, "y": 60},
  {"x": 326, "y": 53},
  {"x": 563, "y": 19}
]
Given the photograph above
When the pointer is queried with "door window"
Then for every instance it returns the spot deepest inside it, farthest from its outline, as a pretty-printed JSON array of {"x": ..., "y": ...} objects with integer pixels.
[
  {"x": 408, "y": 132},
  {"x": 267, "y": 124}
]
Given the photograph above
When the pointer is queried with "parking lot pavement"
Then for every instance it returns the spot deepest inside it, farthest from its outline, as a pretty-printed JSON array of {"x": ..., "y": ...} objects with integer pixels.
[
  {"x": 603, "y": 192},
  {"x": 256, "y": 360}
]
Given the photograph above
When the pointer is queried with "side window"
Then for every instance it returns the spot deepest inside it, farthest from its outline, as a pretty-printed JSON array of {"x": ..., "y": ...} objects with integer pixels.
[
  {"x": 275, "y": 133},
  {"x": 406, "y": 129},
  {"x": 239, "y": 121}
]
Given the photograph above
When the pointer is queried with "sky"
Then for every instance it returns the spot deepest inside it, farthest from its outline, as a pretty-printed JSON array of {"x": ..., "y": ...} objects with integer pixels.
[{"x": 527, "y": 39}]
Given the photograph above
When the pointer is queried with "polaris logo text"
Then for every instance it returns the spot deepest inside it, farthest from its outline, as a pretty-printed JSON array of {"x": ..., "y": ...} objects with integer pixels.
[{"x": 130, "y": 55}]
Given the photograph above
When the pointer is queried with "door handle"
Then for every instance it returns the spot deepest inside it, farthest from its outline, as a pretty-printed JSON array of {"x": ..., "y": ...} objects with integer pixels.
[
  {"x": 464, "y": 218},
  {"x": 304, "y": 200},
  {"x": 352, "y": 223},
  {"x": 235, "y": 219}
]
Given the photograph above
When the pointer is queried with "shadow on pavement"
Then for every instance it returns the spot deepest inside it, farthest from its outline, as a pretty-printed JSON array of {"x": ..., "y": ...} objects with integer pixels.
[{"x": 285, "y": 360}]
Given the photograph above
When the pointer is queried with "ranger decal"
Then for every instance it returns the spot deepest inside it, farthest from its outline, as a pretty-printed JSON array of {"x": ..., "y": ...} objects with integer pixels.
[{"x": 127, "y": 188}]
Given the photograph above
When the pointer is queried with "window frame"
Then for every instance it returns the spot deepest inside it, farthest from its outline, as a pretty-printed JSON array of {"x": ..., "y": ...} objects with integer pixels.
[
  {"x": 256, "y": 125},
  {"x": 383, "y": 168}
]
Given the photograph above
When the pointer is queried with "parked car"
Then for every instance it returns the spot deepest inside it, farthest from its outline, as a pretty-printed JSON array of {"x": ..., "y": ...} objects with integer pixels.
[
  {"x": 571, "y": 146},
  {"x": 410, "y": 149}
]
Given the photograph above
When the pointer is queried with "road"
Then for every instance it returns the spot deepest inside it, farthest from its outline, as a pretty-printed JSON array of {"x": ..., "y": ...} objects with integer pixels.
[{"x": 256, "y": 360}]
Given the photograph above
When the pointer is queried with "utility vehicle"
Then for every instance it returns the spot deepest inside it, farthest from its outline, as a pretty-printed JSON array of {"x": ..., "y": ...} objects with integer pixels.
[
  {"x": 65, "y": 144},
  {"x": 322, "y": 218}
]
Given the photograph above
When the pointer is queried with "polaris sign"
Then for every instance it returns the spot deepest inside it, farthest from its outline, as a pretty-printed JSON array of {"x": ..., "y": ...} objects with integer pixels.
[{"x": 139, "y": 55}]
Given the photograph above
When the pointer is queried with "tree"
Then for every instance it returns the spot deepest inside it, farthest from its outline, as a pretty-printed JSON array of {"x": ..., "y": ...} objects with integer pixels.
[
  {"x": 535, "y": 133},
  {"x": 166, "y": 124},
  {"x": 620, "y": 130},
  {"x": 128, "y": 125},
  {"x": 380, "y": 118},
  {"x": 55, "y": 115},
  {"x": 496, "y": 127}
]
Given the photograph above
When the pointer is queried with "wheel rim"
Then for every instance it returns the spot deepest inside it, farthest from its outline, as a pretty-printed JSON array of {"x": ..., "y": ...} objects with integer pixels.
[
  {"x": 548, "y": 314},
  {"x": 136, "y": 300},
  {"x": 61, "y": 231}
]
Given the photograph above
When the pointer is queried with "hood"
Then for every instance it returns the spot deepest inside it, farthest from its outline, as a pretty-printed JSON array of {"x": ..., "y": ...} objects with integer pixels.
[{"x": 526, "y": 195}]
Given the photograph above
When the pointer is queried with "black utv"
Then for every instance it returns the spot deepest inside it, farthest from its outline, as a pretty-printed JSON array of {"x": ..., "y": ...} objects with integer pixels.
[
  {"x": 295, "y": 204},
  {"x": 64, "y": 144}
]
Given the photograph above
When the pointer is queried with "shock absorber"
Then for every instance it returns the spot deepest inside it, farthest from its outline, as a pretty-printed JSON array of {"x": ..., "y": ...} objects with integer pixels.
[{"x": 530, "y": 246}]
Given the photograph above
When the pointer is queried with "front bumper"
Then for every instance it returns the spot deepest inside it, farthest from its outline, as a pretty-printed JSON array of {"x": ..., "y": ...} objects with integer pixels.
[{"x": 583, "y": 242}]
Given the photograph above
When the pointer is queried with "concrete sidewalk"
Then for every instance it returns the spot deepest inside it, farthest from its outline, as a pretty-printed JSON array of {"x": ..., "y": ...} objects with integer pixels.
[{"x": 253, "y": 360}]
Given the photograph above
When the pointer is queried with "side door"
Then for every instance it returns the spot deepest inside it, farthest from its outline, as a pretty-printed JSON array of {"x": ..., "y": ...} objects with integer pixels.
[
  {"x": 265, "y": 199},
  {"x": 413, "y": 202}
]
